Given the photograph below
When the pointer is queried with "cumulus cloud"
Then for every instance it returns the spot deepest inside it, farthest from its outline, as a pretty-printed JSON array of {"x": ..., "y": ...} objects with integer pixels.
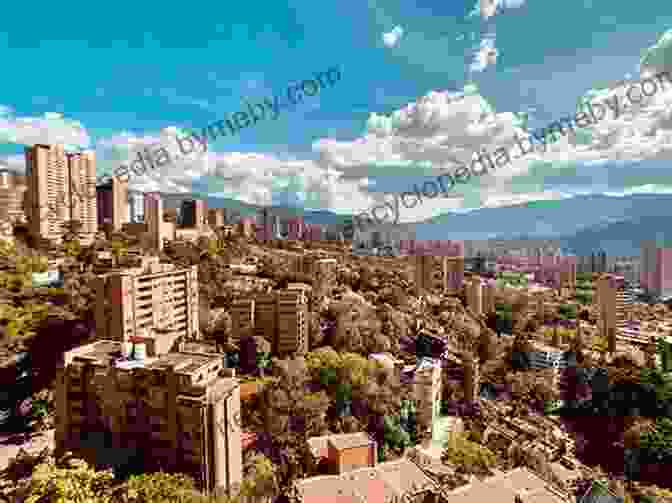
[
  {"x": 52, "y": 128},
  {"x": 392, "y": 38},
  {"x": 488, "y": 8},
  {"x": 485, "y": 55},
  {"x": 425, "y": 138}
]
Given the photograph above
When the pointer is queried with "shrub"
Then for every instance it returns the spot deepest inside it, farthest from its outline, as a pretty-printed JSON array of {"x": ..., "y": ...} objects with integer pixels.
[
  {"x": 161, "y": 487},
  {"x": 76, "y": 482},
  {"x": 468, "y": 456}
]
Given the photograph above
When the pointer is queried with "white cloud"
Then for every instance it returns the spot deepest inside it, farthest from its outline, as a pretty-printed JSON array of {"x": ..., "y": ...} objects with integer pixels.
[
  {"x": 52, "y": 128},
  {"x": 485, "y": 55},
  {"x": 488, "y": 8},
  {"x": 426, "y": 137},
  {"x": 392, "y": 38},
  {"x": 513, "y": 4}
]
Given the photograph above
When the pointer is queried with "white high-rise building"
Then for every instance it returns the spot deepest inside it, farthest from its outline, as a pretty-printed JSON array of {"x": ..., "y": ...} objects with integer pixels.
[{"x": 136, "y": 204}]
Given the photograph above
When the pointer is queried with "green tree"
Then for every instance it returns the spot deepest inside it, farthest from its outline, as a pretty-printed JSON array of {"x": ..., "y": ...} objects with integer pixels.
[
  {"x": 76, "y": 482},
  {"x": 161, "y": 487},
  {"x": 468, "y": 457},
  {"x": 260, "y": 483},
  {"x": 119, "y": 249}
]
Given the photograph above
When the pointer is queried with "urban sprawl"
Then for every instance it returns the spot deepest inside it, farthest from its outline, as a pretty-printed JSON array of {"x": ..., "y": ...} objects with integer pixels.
[{"x": 266, "y": 357}]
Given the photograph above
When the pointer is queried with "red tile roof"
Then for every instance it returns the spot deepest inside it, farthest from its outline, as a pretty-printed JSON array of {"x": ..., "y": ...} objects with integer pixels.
[{"x": 248, "y": 439}]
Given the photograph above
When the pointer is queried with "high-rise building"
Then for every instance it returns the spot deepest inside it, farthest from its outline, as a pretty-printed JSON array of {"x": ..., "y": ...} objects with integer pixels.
[
  {"x": 599, "y": 262},
  {"x": 453, "y": 273},
  {"x": 324, "y": 274},
  {"x": 567, "y": 271},
  {"x": 264, "y": 229},
  {"x": 247, "y": 227},
  {"x": 424, "y": 274},
  {"x": 177, "y": 413},
  {"x": 424, "y": 255},
  {"x": 60, "y": 189},
  {"x": 489, "y": 290},
  {"x": 120, "y": 211},
  {"x": 216, "y": 218},
  {"x": 82, "y": 183},
  {"x": 12, "y": 196},
  {"x": 472, "y": 381},
  {"x": 314, "y": 232},
  {"x": 243, "y": 321},
  {"x": 656, "y": 268},
  {"x": 279, "y": 317},
  {"x": 296, "y": 228},
  {"x": 611, "y": 309},
  {"x": 268, "y": 227},
  {"x": 136, "y": 201},
  {"x": 427, "y": 390},
  {"x": 130, "y": 301},
  {"x": 112, "y": 203},
  {"x": 104, "y": 204},
  {"x": 154, "y": 218},
  {"x": 291, "y": 334},
  {"x": 192, "y": 213},
  {"x": 474, "y": 291}
]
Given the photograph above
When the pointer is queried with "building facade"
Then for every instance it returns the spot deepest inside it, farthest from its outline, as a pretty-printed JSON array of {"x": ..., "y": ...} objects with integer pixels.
[
  {"x": 175, "y": 413},
  {"x": 61, "y": 188},
  {"x": 112, "y": 203},
  {"x": 610, "y": 302},
  {"x": 136, "y": 202},
  {"x": 193, "y": 213},
  {"x": 153, "y": 212},
  {"x": 656, "y": 269},
  {"x": 279, "y": 317},
  {"x": 216, "y": 217},
  {"x": 130, "y": 302},
  {"x": 12, "y": 197}
]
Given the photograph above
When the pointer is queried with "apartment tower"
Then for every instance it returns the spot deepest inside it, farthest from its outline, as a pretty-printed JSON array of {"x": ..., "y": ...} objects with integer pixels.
[
  {"x": 474, "y": 291},
  {"x": 82, "y": 200},
  {"x": 131, "y": 302},
  {"x": 216, "y": 218},
  {"x": 112, "y": 203},
  {"x": 279, "y": 317},
  {"x": 136, "y": 210},
  {"x": 193, "y": 213},
  {"x": 247, "y": 227},
  {"x": 12, "y": 196},
  {"x": 424, "y": 274},
  {"x": 154, "y": 218},
  {"x": 610, "y": 310},
  {"x": 242, "y": 319},
  {"x": 296, "y": 228},
  {"x": 656, "y": 268},
  {"x": 60, "y": 189}
]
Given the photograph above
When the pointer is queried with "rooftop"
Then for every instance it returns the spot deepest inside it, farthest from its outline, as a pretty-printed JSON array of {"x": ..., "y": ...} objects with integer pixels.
[
  {"x": 381, "y": 484},
  {"x": 349, "y": 440},
  {"x": 504, "y": 487}
]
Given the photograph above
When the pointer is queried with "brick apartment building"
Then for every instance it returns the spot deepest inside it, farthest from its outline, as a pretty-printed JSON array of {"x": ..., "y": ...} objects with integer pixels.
[
  {"x": 61, "y": 188},
  {"x": 130, "y": 302},
  {"x": 279, "y": 317},
  {"x": 12, "y": 196},
  {"x": 355, "y": 474},
  {"x": 177, "y": 412}
]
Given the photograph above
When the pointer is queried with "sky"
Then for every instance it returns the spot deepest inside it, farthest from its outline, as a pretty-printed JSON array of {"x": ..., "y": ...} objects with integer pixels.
[{"x": 421, "y": 82}]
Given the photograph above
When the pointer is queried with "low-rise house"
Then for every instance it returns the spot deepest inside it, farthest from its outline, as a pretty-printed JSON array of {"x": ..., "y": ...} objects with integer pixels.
[
  {"x": 520, "y": 485},
  {"x": 344, "y": 452},
  {"x": 390, "y": 482}
]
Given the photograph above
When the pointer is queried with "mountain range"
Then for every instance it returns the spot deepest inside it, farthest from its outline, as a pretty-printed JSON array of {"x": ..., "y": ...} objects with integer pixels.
[{"x": 582, "y": 224}]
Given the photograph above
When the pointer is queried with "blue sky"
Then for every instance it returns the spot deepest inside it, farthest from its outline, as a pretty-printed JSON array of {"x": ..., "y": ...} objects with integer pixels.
[{"x": 128, "y": 73}]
